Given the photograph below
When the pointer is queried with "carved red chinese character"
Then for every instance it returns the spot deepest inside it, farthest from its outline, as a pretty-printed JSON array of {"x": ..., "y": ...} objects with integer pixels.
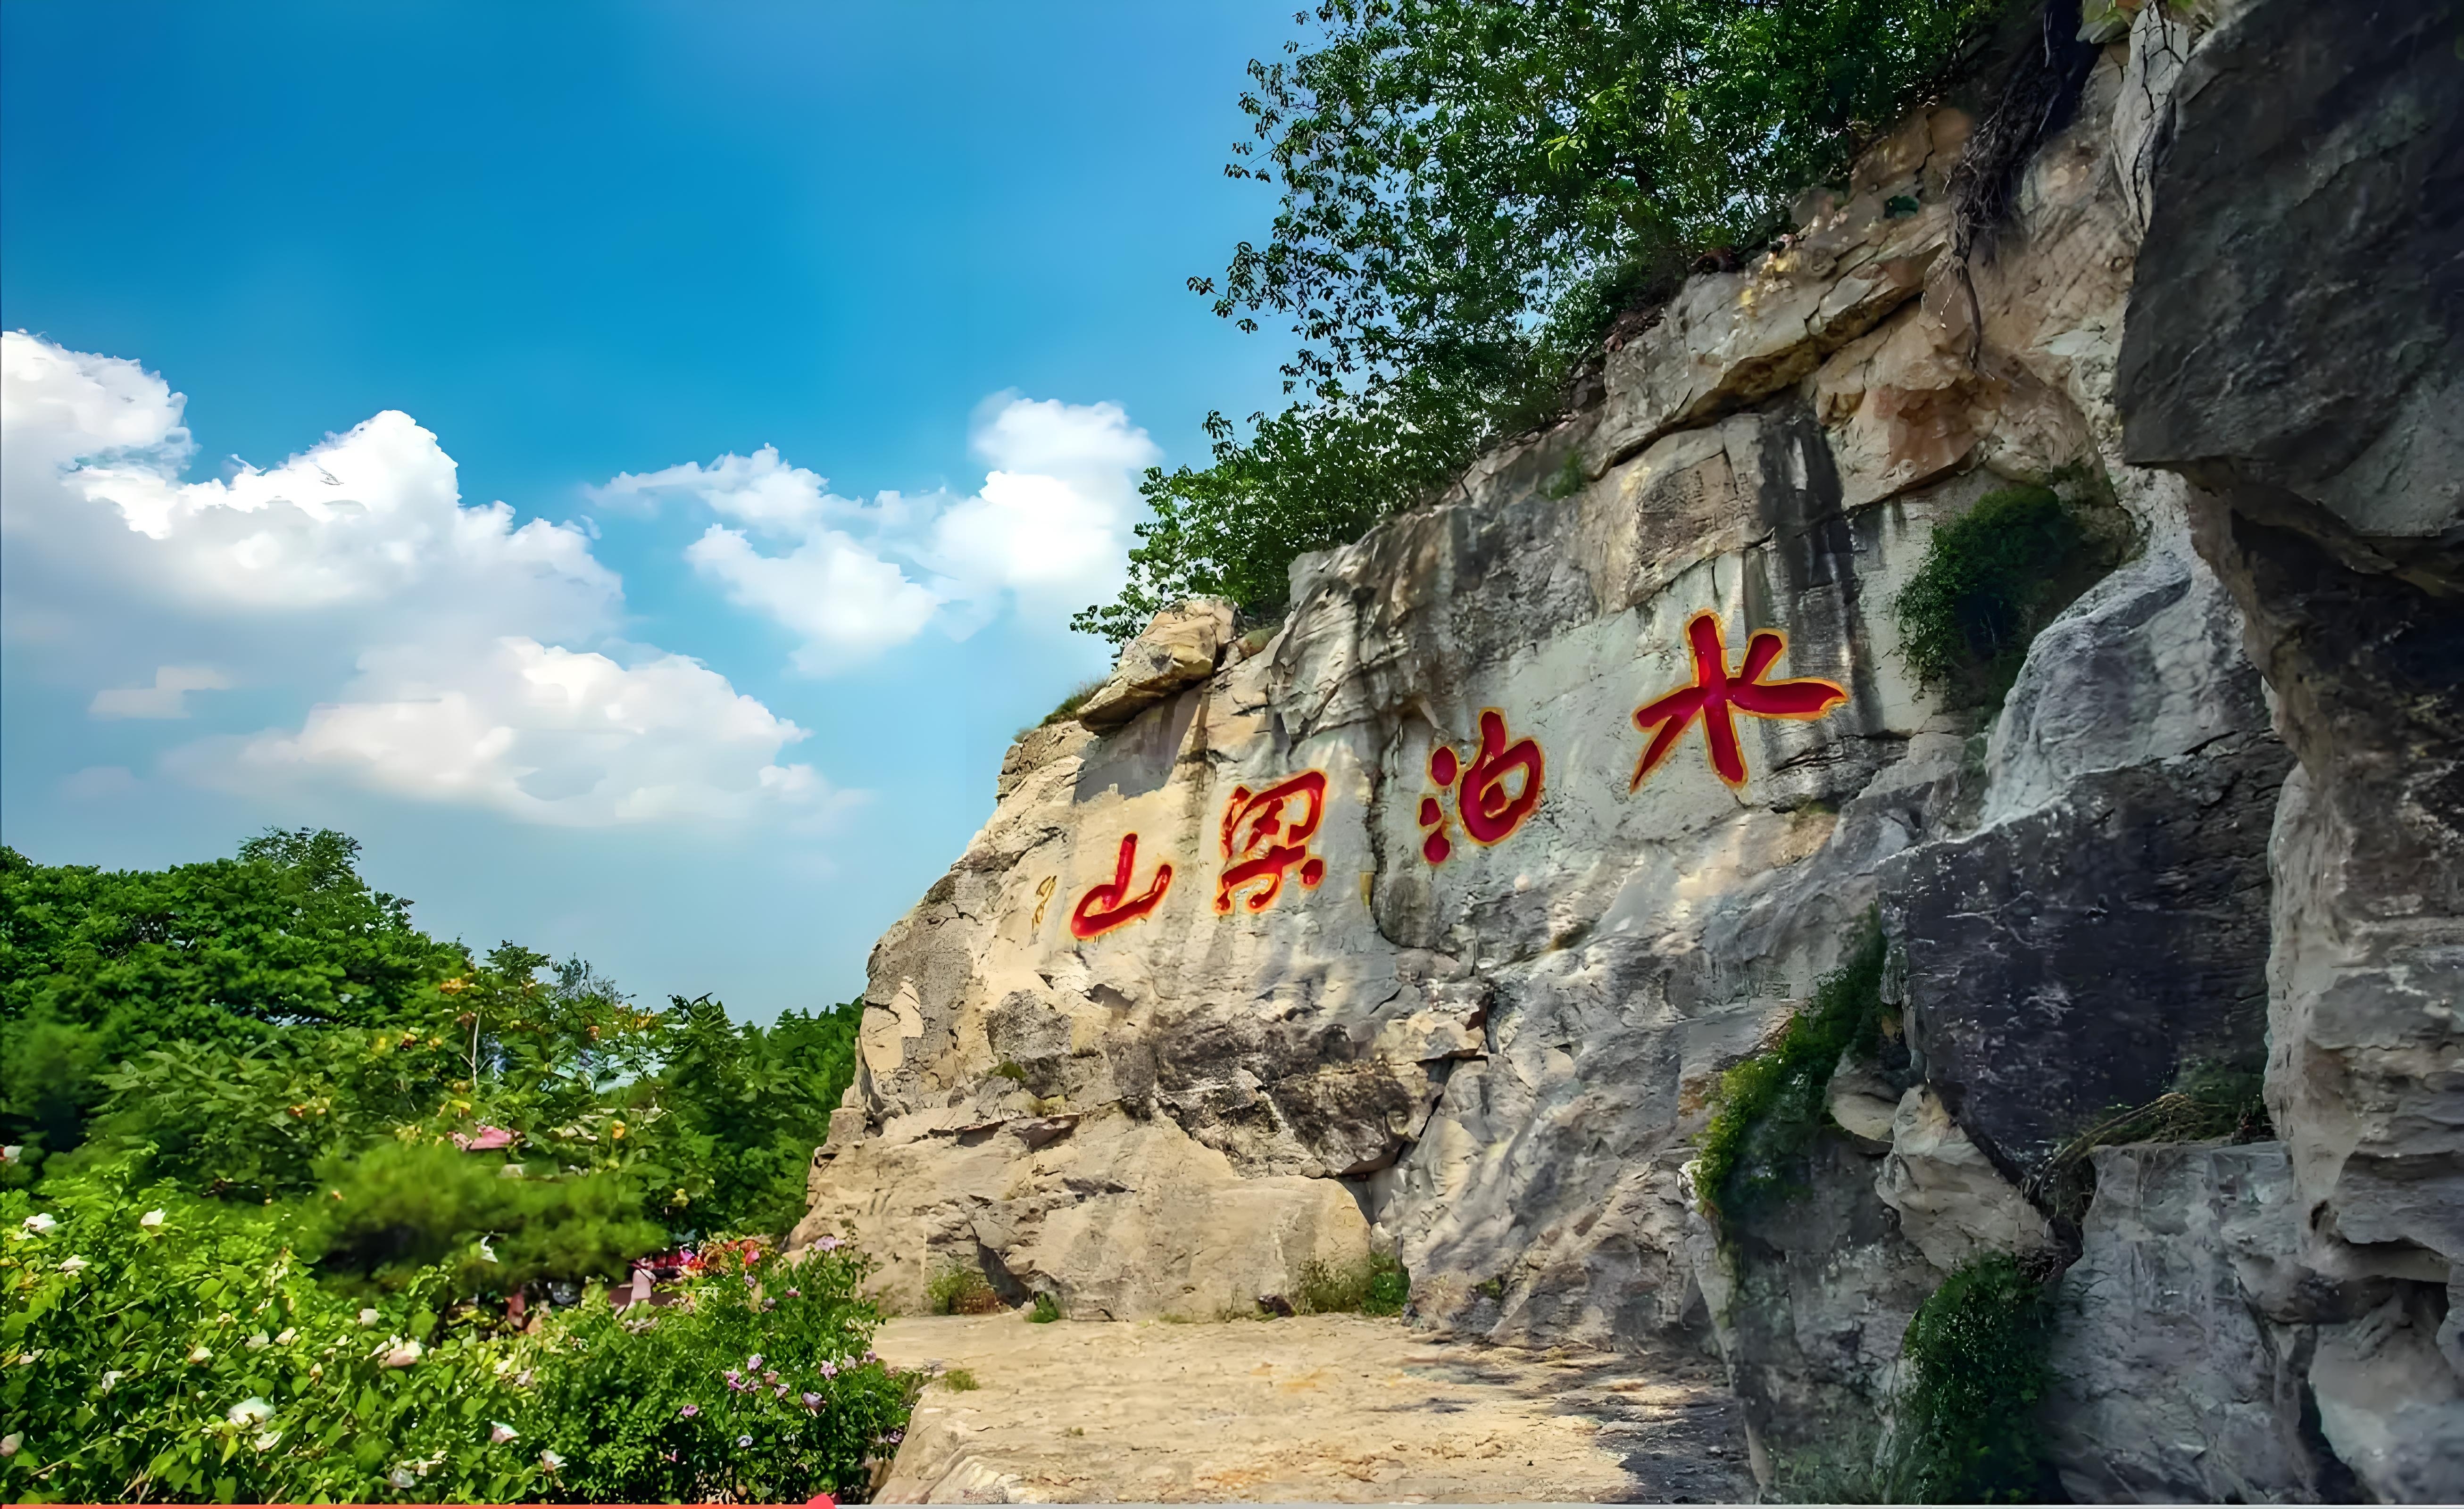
[
  {"x": 1105, "y": 907},
  {"x": 1267, "y": 833},
  {"x": 1715, "y": 693},
  {"x": 1489, "y": 803}
]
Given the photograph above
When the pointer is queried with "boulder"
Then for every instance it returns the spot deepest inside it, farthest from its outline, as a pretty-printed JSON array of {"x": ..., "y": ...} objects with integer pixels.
[
  {"x": 1181, "y": 645},
  {"x": 1954, "y": 1204}
]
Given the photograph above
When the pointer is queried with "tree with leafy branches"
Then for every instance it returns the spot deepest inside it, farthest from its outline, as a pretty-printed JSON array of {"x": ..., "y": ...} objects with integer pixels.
[{"x": 1470, "y": 191}]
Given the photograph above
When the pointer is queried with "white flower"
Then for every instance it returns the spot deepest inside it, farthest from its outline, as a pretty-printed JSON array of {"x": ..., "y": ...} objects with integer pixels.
[
  {"x": 150, "y": 1218},
  {"x": 251, "y": 1410},
  {"x": 111, "y": 1379},
  {"x": 39, "y": 1222},
  {"x": 369, "y": 1317},
  {"x": 10, "y": 1443},
  {"x": 401, "y": 1477},
  {"x": 285, "y": 1337},
  {"x": 266, "y": 1440},
  {"x": 200, "y": 1354},
  {"x": 12, "y": 1152},
  {"x": 499, "y": 1433},
  {"x": 259, "y": 1342},
  {"x": 550, "y": 1460},
  {"x": 73, "y": 1265},
  {"x": 487, "y": 1254},
  {"x": 401, "y": 1353}
]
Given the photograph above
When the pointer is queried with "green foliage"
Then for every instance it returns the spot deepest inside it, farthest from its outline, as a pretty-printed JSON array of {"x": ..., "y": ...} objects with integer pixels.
[
  {"x": 1989, "y": 580},
  {"x": 959, "y": 1380},
  {"x": 101, "y": 966},
  {"x": 1471, "y": 192},
  {"x": 1770, "y": 1105},
  {"x": 1966, "y": 1429},
  {"x": 1046, "y": 1310},
  {"x": 195, "y": 1358},
  {"x": 759, "y": 1388},
  {"x": 747, "y": 1107},
  {"x": 399, "y": 1211},
  {"x": 960, "y": 1290},
  {"x": 1375, "y": 1286}
]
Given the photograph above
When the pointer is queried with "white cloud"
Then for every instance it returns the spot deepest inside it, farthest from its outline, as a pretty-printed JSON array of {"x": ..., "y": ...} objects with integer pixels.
[
  {"x": 166, "y": 698},
  {"x": 367, "y": 518},
  {"x": 542, "y": 733},
  {"x": 759, "y": 489},
  {"x": 846, "y": 601},
  {"x": 98, "y": 783},
  {"x": 1051, "y": 526},
  {"x": 477, "y": 682}
]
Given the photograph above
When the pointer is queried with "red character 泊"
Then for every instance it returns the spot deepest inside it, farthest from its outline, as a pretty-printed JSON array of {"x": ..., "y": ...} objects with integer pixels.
[
  {"x": 1715, "y": 693},
  {"x": 1105, "y": 907},
  {"x": 1267, "y": 833},
  {"x": 1490, "y": 802}
]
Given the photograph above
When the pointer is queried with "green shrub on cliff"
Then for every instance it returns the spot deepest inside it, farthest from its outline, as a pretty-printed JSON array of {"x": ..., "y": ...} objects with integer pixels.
[
  {"x": 1470, "y": 192},
  {"x": 1770, "y": 1107},
  {"x": 1989, "y": 580},
  {"x": 1965, "y": 1426}
]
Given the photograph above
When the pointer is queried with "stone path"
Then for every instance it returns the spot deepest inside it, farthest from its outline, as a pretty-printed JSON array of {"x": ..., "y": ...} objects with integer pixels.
[{"x": 1318, "y": 1407}]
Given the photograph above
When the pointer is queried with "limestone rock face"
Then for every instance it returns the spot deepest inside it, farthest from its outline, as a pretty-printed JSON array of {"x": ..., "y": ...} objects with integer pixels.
[
  {"x": 2295, "y": 352},
  {"x": 1427, "y": 920},
  {"x": 2173, "y": 1383}
]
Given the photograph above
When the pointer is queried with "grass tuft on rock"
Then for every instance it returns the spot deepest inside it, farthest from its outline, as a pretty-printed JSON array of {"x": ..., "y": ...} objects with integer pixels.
[
  {"x": 1989, "y": 580},
  {"x": 1375, "y": 1286},
  {"x": 1770, "y": 1107},
  {"x": 1044, "y": 1311},
  {"x": 960, "y": 1291}
]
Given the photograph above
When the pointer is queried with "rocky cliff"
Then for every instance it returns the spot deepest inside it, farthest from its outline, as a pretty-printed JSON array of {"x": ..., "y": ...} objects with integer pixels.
[{"x": 1428, "y": 918}]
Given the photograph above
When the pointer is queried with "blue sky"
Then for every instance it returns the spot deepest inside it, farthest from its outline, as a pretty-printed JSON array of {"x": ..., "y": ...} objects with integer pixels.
[{"x": 304, "y": 289}]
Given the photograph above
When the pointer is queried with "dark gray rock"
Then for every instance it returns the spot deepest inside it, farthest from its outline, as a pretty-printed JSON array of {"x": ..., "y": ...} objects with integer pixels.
[
  {"x": 2296, "y": 312},
  {"x": 2076, "y": 959}
]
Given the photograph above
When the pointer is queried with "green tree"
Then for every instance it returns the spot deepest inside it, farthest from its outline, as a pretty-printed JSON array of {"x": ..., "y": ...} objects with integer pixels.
[
  {"x": 97, "y": 967},
  {"x": 1469, "y": 191},
  {"x": 747, "y": 1105}
]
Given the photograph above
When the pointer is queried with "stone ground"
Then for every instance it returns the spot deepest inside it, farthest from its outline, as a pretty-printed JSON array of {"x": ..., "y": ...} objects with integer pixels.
[{"x": 1318, "y": 1408}]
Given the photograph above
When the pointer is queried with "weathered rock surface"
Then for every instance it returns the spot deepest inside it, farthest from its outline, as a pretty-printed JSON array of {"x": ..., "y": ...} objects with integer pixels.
[
  {"x": 2173, "y": 1385},
  {"x": 1383, "y": 930},
  {"x": 2295, "y": 352},
  {"x": 1179, "y": 648},
  {"x": 1954, "y": 1204}
]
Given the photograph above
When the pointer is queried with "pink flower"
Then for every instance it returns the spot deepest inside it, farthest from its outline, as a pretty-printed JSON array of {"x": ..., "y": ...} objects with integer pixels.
[
  {"x": 690, "y": 1411},
  {"x": 488, "y": 1139},
  {"x": 811, "y": 1400}
]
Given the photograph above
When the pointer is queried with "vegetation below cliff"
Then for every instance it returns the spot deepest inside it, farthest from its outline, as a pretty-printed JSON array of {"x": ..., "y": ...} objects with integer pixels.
[{"x": 286, "y": 1177}]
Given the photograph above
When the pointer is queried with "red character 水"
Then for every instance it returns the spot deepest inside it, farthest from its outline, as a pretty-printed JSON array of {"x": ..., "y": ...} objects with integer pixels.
[{"x": 1715, "y": 693}]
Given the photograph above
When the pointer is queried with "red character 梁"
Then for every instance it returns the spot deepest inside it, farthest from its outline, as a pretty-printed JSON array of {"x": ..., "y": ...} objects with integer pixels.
[
  {"x": 1491, "y": 802},
  {"x": 1715, "y": 693},
  {"x": 1267, "y": 833},
  {"x": 1105, "y": 907}
]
